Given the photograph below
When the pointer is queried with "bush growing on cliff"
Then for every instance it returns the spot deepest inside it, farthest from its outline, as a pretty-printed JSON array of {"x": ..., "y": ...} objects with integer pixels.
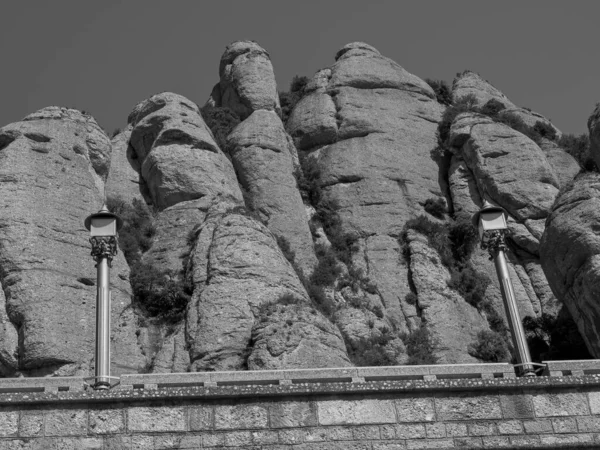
[
  {"x": 135, "y": 237},
  {"x": 288, "y": 100},
  {"x": 221, "y": 122},
  {"x": 435, "y": 206},
  {"x": 419, "y": 347},
  {"x": 372, "y": 351},
  {"x": 443, "y": 92},
  {"x": 490, "y": 347},
  {"x": 554, "y": 338},
  {"x": 160, "y": 293},
  {"x": 579, "y": 148}
]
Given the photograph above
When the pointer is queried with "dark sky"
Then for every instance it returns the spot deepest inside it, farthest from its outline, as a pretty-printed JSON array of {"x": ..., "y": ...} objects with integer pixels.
[{"x": 106, "y": 56}]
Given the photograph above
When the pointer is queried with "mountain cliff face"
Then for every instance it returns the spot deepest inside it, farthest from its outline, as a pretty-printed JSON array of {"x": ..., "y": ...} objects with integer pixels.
[{"x": 335, "y": 234}]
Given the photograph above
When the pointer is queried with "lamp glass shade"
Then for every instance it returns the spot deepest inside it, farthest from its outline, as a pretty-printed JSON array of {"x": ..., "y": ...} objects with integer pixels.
[
  {"x": 492, "y": 220},
  {"x": 103, "y": 226}
]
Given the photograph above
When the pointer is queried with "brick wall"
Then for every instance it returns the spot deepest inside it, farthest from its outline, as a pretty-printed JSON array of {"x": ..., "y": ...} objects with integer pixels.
[{"x": 544, "y": 412}]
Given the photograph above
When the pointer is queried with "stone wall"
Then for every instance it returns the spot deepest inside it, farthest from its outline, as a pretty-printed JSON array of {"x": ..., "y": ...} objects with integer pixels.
[{"x": 356, "y": 408}]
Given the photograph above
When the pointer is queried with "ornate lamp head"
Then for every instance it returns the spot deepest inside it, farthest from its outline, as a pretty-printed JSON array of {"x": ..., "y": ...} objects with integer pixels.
[
  {"x": 490, "y": 218},
  {"x": 103, "y": 227}
]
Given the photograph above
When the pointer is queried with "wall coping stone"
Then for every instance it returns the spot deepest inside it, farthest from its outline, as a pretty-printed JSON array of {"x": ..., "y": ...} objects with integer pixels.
[{"x": 156, "y": 393}]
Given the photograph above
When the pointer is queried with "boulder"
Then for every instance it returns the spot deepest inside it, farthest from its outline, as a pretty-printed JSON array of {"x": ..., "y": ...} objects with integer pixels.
[
  {"x": 570, "y": 255},
  {"x": 178, "y": 157},
  {"x": 295, "y": 336},
  {"x": 237, "y": 269},
  {"x": 510, "y": 168},
  {"x": 262, "y": 157},
  {"x": 529, "y": 117},
  {"x": 565, "y": 167},
  {"x": 247, "y": 82},
  {"x": 471, "y": 83},
  {"x": 47, "y": 274}
]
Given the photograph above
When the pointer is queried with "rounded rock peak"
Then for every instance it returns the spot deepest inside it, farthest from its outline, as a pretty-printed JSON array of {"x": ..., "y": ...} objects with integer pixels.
[
  {"x": 156, "y": 102},
  {"x": 356, "y": 48},
  {"x": 61, "y": 112},
  {"x": 236, "y": 49}
]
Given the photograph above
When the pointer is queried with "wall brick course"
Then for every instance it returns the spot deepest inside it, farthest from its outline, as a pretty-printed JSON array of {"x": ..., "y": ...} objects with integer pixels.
[
  {"x": 547, "y": 404},
  {"x": 467, "y": 406},
  {"x": 419, "y": 409},
  {"x": 213, "y": 439},
  {"x": 366, "y": 432},
  {"x": 237, "y": 438},
  {"x": 201, "y": 417},
  {"x": 510, "y": 427},
  {"x": 155, "y": 418},
  {"x": 495, "y": 442},
  {"x": 107, "y": 420},
  {"x": 292, "y": 436},
  {"x": 67, "y": 422},
  {"x": 31, "y": 423},
  {"x": 389, "y": 445},
  {"x": 562, "y": 439},
  {"x": 430, "y": 444},
  {"x": 564, "y": 425},
  {"x": 525, "y": 441},
  {"x": 356, "y": 412},
  {"x": 9, "y": 423},
  {"x": 482, "y": 429},
  {"x": 435, "y": 430},
  {"x": 293, "y": 414},
  {"x": 142, "y": 442},
  {"x": 456, "y": 429},
  {"x": 517, "y": 406},
  {"x": 588, "y": 424},
  {"x": 261, "y": 437},
  {"x": 594, "y": 402},
  {"x": 339, "y": 433},
  {"x": 241, "y": 416},
  {"x": 468, "y": 442},
  {"x": 537, "y": 426},
  {"x": 387, "y": 431},
  {"x": 410, "y": 431}
]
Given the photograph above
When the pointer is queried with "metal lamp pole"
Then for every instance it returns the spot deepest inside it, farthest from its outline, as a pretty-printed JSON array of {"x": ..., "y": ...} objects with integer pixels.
[
  {"x": 491, "y": 222},
  {"x": 103, "y": 228}
]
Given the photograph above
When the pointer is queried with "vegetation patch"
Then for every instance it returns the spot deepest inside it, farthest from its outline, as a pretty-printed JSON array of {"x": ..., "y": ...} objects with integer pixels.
[
  {"x": 554, "y": 338},
  {"x": 221, "y": 122},
  {"x": 443, "y": 91},
  {"x": 436, "y": 207},
  {"x": 288, "y": 100},
  {"x": 372, "y": 351},
  {"x": 419, "y": 347},
  {"x": 157, "y": 292},
  {"x": 490, "y": 346},
  {"x": 579, "y": 148},
  {"x": 454, "y": 241}
]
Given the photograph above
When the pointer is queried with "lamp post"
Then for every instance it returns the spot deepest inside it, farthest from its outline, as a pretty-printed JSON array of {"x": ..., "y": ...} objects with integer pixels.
[
  {"x": 491, "y": 221},
  {"x": 103, "y": 227}
]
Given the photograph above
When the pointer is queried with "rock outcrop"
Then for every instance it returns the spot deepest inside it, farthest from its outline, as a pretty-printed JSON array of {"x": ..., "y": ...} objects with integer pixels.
[
  {"x": 247, "y": 82},
  {"x": 370, "y": 126},
  {"x": 237, "y": 271},
  {"x": 262, "y": 155},
  {"x": 507, "y": 165},
  {"x": 55, "y": 162},
  {"x": 570, "y": 255},
  {"x": 471, "y": 83}
]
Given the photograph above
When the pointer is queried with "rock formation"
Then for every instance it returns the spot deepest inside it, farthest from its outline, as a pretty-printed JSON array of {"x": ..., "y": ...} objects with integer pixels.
[
  {"x": 570, "y": 251},
  {"x": 55, "y": 162},
  {"x": 340, "y": 237}
]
